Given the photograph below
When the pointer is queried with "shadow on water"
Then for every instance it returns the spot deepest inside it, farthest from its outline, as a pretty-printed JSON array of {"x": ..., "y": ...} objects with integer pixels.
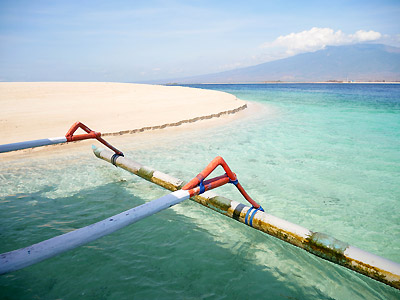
[{"x": 165, "y": 256}]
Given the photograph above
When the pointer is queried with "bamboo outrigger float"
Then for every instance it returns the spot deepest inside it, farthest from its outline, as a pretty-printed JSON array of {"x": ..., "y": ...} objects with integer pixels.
[
  {"x": 319, "y": 244},
  {"x": 198, "y": 189}
]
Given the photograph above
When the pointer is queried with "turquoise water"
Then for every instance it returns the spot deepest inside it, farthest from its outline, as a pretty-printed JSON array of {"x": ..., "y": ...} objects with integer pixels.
[{"x": 326, "y": 157}]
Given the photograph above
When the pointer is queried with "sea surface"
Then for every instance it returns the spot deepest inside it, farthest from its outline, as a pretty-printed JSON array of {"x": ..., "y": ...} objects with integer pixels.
[{"x": 324, "y": 156}]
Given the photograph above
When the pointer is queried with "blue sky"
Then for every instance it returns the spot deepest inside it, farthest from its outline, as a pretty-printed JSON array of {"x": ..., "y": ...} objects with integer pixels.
[{"x": 134, "y": 41}]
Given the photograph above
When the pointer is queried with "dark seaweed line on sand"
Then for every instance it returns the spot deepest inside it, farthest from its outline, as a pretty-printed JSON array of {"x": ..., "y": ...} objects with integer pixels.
[{"x": 217, "y": 115}]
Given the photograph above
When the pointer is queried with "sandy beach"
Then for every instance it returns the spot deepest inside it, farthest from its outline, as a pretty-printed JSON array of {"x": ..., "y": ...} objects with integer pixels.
[{"x": 36, "y": 110}]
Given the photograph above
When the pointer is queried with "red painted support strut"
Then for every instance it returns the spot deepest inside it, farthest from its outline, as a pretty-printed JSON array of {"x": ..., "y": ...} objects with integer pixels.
[
  {"x": 194, "y": 185},
  {"x": 89, "y": 135}
]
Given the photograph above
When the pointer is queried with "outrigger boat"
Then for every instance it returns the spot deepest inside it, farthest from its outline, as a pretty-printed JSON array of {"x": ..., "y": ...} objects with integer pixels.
[{"x": 199, "y": 190}]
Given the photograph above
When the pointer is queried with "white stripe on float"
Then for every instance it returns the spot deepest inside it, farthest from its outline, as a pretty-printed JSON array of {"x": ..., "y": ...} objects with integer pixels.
[{"x": 371, "y": 259}]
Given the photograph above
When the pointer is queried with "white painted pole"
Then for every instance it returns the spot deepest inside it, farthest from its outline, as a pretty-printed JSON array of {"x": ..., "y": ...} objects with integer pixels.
[
  {"x": 32, "y": 144},
  {"x": 24, "y": 257}
]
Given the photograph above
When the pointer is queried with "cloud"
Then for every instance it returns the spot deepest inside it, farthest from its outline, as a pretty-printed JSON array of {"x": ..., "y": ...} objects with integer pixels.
[
  {"x": 318, "y": 38},
  {"x": 365, "y": 36}
]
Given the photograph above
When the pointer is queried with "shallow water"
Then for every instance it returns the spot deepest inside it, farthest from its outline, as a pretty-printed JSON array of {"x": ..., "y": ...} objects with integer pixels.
[{"x": 326, "y": 157}]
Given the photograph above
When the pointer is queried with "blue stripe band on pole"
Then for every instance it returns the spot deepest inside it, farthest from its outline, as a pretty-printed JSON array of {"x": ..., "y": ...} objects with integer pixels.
[
  {"x": 252, "y": 216},
  {"x": 202, "y": 187},
  {"x": 247, "y": 215}
]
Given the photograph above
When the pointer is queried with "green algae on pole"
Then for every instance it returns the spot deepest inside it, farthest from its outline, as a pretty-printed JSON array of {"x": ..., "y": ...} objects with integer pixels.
[{"x": 319, "y": 244}]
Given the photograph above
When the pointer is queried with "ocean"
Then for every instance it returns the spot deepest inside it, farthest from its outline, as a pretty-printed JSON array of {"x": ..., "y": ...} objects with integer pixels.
[{"x": 323, "y": 156}]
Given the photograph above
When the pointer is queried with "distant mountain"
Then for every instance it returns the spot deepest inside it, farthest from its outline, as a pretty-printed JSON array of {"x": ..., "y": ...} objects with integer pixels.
[{"x": 361, "y": 62}]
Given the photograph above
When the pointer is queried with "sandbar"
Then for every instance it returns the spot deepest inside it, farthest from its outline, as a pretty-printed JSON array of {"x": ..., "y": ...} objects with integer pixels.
[{"x": 37, "y": 110}]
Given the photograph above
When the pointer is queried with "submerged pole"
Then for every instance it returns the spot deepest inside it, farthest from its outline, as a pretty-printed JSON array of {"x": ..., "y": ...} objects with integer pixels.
[
  {"x": 24, "y": 257},
  {"x": 319, "y": 244}
]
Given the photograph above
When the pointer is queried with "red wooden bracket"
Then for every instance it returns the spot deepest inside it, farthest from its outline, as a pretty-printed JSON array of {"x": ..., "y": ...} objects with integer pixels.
[
  {"x": 197, "y": 186},
  {"x": 90, "y": 134}
]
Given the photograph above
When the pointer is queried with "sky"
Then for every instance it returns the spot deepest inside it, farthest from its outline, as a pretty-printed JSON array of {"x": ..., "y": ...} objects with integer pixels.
[{"x": 138, "y": 41}]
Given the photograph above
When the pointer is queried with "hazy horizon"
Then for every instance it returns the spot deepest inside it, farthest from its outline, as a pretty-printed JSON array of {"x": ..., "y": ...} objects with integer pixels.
[{"x": 151, "y": 40}]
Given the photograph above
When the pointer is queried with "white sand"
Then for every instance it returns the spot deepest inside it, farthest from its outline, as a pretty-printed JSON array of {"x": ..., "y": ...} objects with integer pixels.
[{"x": 39, "y": 110}]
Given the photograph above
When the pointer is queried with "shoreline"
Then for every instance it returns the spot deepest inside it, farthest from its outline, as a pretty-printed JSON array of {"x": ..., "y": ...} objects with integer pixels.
[
  {"x": 286, "y": 82},
  {"x": 140, "y": 139},
  {"x": 41, "y": 110}
]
